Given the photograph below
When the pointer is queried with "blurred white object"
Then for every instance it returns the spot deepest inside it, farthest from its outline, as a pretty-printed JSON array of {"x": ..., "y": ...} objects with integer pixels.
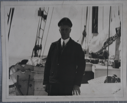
[
  {"x": 12, "y": 79},
  {"x": 34, "y": 61},
  {"x": 95, "y": 84},
  {"x": 98, "y": 41}
]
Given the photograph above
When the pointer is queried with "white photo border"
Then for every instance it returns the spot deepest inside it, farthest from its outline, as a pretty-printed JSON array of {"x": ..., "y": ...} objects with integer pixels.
[{"x": 7, "y": 98}]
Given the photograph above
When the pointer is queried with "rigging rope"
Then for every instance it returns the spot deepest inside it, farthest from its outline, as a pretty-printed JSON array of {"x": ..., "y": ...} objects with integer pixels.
[
  {"x": 37, "y": 34},
  {"x": 38, "y": 42},
  {"x": 47, "y": 32},
  {"x": 84, "y": 31},
  {"x": 12, "y": 13},
  {"x": 9, "y": 16},
  {"x": 108, "y": 37},
  {"x": 86, "y": 45},
  {"x": 43, "y": 32}
]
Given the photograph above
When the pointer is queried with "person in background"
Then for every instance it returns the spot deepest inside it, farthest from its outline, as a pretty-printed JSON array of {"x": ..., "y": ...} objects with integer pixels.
[{"x": 65, "y": 64}]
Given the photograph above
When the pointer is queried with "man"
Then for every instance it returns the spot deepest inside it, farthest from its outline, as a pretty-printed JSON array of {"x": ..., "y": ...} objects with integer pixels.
[{"x": 65, "y": 64}]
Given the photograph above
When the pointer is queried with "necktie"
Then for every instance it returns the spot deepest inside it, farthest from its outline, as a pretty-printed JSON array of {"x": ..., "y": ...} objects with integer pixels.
[{"x": 63, "y": 44}]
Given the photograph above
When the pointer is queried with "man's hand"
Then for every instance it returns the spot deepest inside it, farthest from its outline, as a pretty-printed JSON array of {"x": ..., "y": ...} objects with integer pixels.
[
  {"x": 76, "y": 90},
  {"x": 46, "y": 87}
]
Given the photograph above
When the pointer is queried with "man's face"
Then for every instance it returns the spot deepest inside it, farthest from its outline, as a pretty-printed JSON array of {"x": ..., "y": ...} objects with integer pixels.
[{"x": 65, "y": 31}]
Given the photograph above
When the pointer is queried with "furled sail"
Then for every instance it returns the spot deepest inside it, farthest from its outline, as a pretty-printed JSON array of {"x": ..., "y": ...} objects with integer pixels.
[{"x": 97, "y": 42}]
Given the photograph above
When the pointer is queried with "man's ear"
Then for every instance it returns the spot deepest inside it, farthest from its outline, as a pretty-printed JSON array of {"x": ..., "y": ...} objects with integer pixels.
[
  {"x": 59, "y": 30},
  {"x": 70, "y": 30}
]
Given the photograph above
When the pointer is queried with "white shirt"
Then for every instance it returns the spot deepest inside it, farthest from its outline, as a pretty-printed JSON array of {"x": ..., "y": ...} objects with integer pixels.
[{"x": 65, "y": 41}]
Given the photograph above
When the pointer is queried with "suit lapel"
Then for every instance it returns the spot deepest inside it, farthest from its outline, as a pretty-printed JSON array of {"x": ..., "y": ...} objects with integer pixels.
[{"x": 58, "y": 49}]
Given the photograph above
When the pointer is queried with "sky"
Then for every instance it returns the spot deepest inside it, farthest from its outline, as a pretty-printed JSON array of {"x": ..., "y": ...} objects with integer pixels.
[{"x": 25, "y": 23}]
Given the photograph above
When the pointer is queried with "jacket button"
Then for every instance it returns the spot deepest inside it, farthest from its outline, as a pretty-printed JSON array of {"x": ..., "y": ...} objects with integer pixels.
[
  {"x": 52, "y": 72},
  {"x": 57, "y": 64}
]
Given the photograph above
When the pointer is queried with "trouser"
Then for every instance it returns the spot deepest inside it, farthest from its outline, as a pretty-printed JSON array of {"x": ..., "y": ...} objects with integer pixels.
[{"x": 59, "y": 89}]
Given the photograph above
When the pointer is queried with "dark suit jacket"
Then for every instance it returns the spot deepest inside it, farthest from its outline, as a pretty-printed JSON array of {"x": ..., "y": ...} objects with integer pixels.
[{"x": 64, "y": 67}]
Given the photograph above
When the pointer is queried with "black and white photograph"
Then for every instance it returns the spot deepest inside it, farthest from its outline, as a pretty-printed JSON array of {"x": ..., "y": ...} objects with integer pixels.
[{"x": 63, "y": 50}]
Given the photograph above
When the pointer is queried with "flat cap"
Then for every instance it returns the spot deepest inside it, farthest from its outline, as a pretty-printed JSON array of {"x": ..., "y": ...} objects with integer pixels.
[{"x": 65, "y": 21}]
